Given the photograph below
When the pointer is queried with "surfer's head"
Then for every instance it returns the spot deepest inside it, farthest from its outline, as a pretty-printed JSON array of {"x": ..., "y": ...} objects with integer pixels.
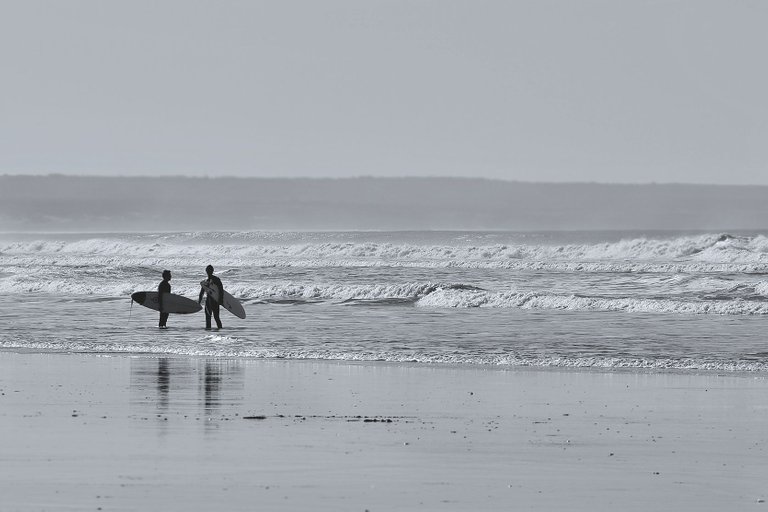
[
  {"x": 209, "y": 270},
  {"x": 167, "y": 275}
]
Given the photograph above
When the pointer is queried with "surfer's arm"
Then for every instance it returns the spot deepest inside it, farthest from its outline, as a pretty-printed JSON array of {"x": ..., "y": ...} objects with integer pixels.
[
  {"x": 200, "y": 297},
  {"x": 221, "y": 292}
]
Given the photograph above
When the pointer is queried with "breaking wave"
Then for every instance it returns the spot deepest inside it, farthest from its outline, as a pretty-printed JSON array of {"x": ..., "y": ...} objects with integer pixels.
[
  {"x": 738, "y": 299},
  {"x": 712, "y": 252},
  {"x": 449, "y": 298}
]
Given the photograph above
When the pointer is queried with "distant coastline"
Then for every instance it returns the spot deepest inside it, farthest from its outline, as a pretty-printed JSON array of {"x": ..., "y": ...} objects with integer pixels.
[{"x": 89, "y": 203}]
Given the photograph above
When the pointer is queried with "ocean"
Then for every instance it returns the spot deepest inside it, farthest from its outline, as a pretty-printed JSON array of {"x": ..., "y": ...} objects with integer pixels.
[{"x": 653, "y": 301}]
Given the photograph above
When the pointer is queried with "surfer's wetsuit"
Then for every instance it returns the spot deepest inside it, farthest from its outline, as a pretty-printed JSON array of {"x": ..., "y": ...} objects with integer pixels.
[
  {"x": 163, "y": 287},
  {"x": 211, "y": 306}
]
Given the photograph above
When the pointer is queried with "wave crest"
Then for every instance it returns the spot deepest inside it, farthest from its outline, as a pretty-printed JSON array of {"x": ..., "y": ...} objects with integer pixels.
[{"x": 632, "y": 254}]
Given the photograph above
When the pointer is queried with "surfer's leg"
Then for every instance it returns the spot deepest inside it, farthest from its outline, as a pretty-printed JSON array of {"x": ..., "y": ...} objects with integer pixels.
[
  {"x": 163, "y": 319},
  {"x": 207, "y": 316},
  {"x": 216, "y": 315}
]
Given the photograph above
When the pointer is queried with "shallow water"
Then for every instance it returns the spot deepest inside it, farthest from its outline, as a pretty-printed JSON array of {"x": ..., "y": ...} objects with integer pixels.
[{"x": 642, "y": 300}]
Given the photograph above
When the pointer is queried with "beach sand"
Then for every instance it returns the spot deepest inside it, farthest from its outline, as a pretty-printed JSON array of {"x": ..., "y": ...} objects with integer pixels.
[{"x": 86, "y": 432}]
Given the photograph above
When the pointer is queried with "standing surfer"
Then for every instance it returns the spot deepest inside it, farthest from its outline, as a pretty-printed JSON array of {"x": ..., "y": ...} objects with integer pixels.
[
  {"x": 163, "y": 288},
  {"x": 214, "y": 291}
]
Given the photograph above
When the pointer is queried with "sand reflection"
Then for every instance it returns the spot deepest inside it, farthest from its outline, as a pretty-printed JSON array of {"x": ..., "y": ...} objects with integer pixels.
[{"x": 168, "y": 386}]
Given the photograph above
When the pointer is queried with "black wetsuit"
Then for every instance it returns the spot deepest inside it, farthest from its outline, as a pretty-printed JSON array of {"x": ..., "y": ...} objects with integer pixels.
[
  {"x": 163, "y": 287},
  {"x": 211, "y": 306}
]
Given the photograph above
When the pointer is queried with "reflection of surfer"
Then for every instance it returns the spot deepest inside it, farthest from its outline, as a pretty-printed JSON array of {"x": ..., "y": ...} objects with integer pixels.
[
  {"x": 214, "y": 291},
  {"x": 162, "y": 288}
]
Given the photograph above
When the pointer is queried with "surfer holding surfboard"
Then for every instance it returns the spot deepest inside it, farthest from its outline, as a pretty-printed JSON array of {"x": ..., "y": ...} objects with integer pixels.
[
  {"x": 164, "y": 301},
  {"x": 214, "y": 291},
  {"x": 163, "y": 288}
]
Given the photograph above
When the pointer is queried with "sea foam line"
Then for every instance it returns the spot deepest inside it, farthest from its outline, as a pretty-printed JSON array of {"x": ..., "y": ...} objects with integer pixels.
[{"x": 416, "y": 357}]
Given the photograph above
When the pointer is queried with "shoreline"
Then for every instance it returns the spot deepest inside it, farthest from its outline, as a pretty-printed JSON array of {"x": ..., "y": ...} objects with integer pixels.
[
  {"x": 630, "y": 369},
  {"x": 131, "y": 432}
]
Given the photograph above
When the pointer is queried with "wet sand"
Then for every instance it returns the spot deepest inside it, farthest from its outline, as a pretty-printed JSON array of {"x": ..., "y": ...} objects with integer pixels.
[{"x": 85, "y": 432}]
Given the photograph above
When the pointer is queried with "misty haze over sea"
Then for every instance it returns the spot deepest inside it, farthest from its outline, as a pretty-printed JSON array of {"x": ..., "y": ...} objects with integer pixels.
[{"x": 74, "y": 203}]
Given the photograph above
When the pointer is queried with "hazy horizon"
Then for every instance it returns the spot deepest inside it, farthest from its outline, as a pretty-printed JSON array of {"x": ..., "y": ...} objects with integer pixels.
[
  {"x": 364, "y": 176},
  {"x": 162, "y": 203}
]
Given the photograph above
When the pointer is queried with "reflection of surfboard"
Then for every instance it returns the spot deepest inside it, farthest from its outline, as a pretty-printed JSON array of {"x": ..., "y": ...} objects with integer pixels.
[
  {"x": 230, "y": 303},
  {"x": 172, "y": 303}
]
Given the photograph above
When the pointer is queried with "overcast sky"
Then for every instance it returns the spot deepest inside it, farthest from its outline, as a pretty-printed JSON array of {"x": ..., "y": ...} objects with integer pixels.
[{"x": 558, "y": 90}]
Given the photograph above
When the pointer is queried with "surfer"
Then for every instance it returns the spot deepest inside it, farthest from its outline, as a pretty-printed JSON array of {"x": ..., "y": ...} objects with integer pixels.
[
  {"x": 212, "y": 302},
  {"x": 162, "y": 288}
]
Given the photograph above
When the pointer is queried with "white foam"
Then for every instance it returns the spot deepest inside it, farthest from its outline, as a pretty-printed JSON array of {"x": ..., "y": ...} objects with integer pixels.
[
  {"x": 74, "y": 286},
  {"x": 761, "y": 288},
  {"x": 453, "y": 298},
  {"x": 213, "y": 347},
  {"x": 340, "y": 292},
  {"x": 684, "y": 254}
]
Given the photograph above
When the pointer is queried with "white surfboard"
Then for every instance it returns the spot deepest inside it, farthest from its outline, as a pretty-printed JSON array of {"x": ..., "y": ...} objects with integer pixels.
[
  {"x": 172, "y": 303},
  {"x": 230, "y": 303}
]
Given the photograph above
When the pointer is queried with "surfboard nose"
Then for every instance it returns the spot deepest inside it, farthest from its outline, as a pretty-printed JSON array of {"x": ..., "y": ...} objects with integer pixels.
[{"x": 139, "y": 297}]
